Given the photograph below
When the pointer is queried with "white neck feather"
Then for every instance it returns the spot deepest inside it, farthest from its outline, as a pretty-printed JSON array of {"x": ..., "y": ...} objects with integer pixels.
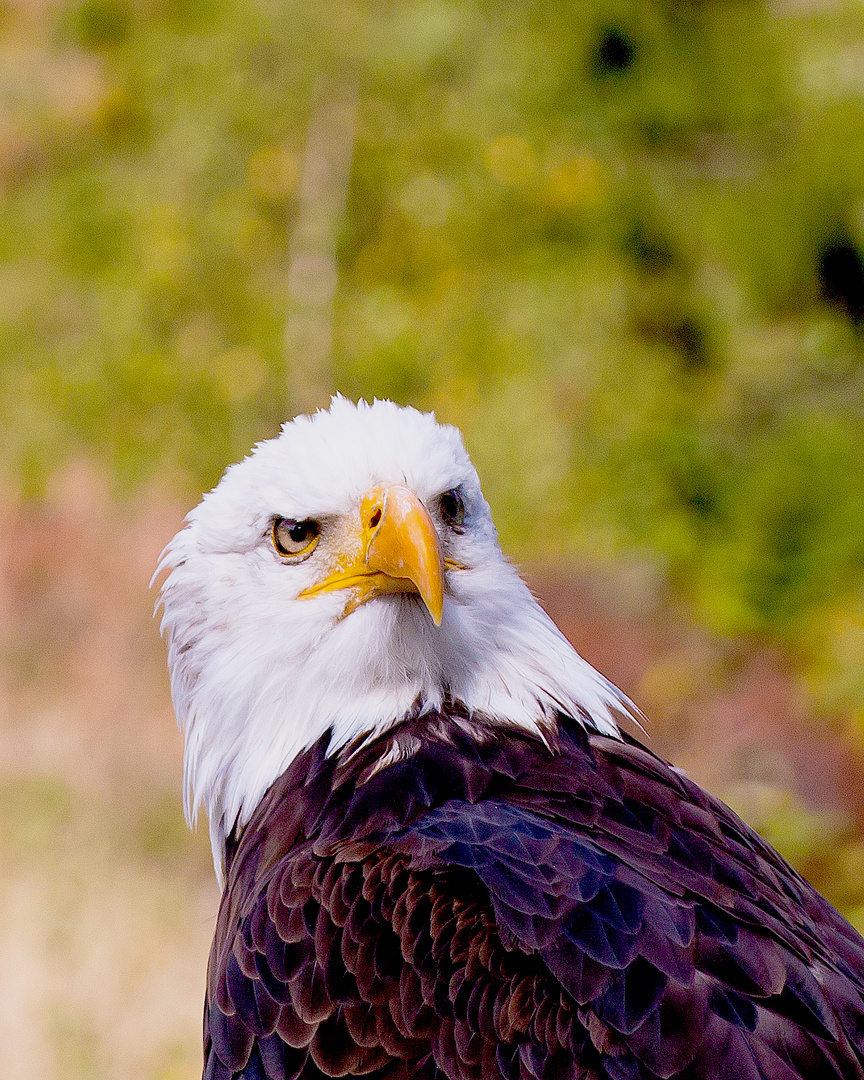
[{"x": 251, "y": 697}]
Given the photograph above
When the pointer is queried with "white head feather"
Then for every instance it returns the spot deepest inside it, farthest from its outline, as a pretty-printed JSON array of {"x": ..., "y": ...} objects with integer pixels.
[{"x": 258, "y": 674}]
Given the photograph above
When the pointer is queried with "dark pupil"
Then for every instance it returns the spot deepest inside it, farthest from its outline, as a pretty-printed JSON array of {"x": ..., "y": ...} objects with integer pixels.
[
  {"x": 452, "y": 507},
  {"x": 300, "y": 531}
]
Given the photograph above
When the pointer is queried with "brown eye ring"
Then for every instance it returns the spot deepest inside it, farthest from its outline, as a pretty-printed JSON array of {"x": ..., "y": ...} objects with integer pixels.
[{"x": 294, "y": 540}]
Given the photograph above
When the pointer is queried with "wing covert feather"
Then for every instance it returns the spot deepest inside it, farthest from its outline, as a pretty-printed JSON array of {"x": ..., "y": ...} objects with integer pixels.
[{"x": 488, "y": 909}]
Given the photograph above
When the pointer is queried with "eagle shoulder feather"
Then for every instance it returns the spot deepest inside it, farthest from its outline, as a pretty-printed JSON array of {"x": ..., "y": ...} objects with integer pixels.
[{"x": 495, "y": 906}]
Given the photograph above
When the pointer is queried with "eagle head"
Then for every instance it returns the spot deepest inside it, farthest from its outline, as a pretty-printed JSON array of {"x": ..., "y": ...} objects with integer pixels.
[{"x": 343, "y": 576}]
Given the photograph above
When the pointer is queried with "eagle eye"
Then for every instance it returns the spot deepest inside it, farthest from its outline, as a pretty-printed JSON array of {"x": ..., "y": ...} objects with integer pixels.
[
  {"x": 294, "y": 540},
  {"x": 452, "y": 507}
]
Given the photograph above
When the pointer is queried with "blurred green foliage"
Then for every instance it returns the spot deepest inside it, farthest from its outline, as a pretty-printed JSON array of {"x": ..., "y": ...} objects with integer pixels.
[{"x": 619, "y": 244}]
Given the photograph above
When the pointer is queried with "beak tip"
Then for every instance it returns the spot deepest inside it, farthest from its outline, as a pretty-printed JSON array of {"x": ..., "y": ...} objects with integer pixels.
[
  {"x": 435, "y": 606},
  {"x": 434, "y": 598}
]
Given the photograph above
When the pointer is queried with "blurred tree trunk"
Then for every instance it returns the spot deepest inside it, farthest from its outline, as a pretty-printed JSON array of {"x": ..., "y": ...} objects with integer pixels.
[{"x": 312, "y": 269}]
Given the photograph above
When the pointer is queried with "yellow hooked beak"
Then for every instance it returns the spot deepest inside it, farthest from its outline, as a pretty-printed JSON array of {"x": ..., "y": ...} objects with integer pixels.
[{"x": 399, "y": 552}]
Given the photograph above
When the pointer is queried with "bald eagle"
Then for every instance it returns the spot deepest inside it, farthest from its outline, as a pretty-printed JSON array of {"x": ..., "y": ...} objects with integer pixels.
[{"x": 441, "y": 856}]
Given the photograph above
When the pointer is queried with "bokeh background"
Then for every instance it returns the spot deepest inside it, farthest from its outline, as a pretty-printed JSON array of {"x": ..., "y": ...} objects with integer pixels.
[{"x": 618, "y": 243}]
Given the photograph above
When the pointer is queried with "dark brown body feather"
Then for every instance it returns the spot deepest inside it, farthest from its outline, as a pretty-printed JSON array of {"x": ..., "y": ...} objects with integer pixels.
[{"x": 488, "y": 908}]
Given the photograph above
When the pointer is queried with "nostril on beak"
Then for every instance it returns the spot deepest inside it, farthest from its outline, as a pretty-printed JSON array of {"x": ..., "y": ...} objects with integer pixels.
[{"x": 375, "y": 518}]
